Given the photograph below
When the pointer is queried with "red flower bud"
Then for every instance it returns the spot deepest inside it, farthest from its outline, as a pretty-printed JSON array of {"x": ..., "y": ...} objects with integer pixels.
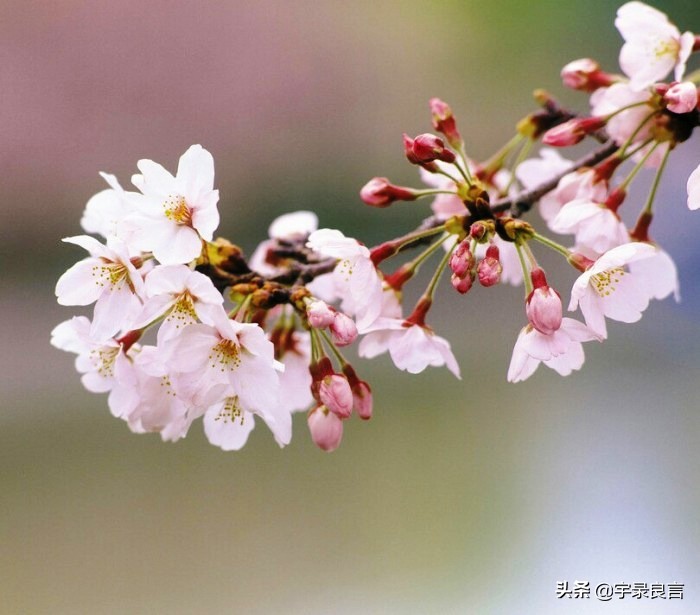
[
  {"x": 461, "y": 285},
  {"x": 444, "y": 122},
  {"x": 490, "y": 268},
  {"x": 428, "y": 148},
  {"x": 572, "y": 131},
  {"x": 462, "y": 259},
  {"x": 543, "y": 306},
  {"x": 334, "y": 392},
  {"x": 378, "y": 192},
  {"x": 343, "y": 329}
]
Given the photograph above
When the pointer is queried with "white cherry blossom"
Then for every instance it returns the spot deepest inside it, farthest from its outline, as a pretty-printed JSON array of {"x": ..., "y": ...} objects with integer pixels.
[
  {"x": 576, "y": 185},
  {"x": 617, "y": 287},
  {"x": 561, "y": 350},
  {"x": 107, "y": 212},
  {"x": 653, "y": 45},
  {"x": 182, "y": 295},
  {"x": 596, "y": 227},
  {"x": 176, "y": 213},
  {"x": 107, "y": 278},
  {"x": 355, "y": 276}
]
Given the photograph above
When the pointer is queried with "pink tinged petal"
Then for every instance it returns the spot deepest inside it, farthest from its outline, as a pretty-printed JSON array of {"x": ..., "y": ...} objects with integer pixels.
[
  {"x": 72, "y": 335},
  {"x": 256, "y": 383},
  {"x": 279, "y": 421},
  {"x": 167, "y": 279},
  {"x": 694, "y": 189},
  {"x": 366, "y": 290},
  {"x": 375, "y": 343},
  {"x": 687, "y": 42},
  {"x": 331, "y": 242},
  {"x": 659, "y": 274},
  {"x": 228, "y": 427},
  {"x": 94, "y": 247},
  {"x": 151, "y": 310},
  {"x": 177, "y": 245},
  {"x": 78, "y": 285},
  {"x": 592, "y": 310},
  {"x": 326, "y": 429},
  {"x": 195, "y": 173},
  {"x": 113, "y": 311},
  {"x": 201, "y": 287},
  {"x": 577, "y": 331},
  {"x": 627, "y": 300},
  {"x": 95, "y": 383},
  {"x": 156, "y": 181},
  {"x": 102, "y": 213},
  {"x": 191, "y": 349},
  {"x": 569, "y": 361},
  {"x": 205, "y": 215},
  {"x": 122, "y": 401},
  {"x": 295, "y": 382},
  {"x": 522, "y": 365}
]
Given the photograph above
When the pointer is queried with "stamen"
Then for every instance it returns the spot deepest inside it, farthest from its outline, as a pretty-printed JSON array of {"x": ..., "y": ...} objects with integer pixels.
[
  {"x": 183, "y": 312},
  {"x": 604, "y": 282},
  {"x": 176, "y": 209},
  {"x": 103, "y": 360},
  {"x": 225, "y": 356},
  {"x": 231, "y": 412}
]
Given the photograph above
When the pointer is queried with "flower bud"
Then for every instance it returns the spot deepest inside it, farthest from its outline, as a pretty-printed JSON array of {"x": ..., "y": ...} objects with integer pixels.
[
  {"x": 681, "y": 97},
  {"x": 490, "y": 268},
  {"x": 343, "y": 329},
  {"x": 362, "y": 400},
  {"x": 326, "y": 428},
  {"x": 335, "y": 393},
  {"x": 444, "y": 122},
  {"x": 572, "y": 132},
  {"x": 461, "y": 285},
  {"x": 543, "y": 306},
  {"x": 585, "y": 75},
  {"x": 320, "y": 315},
  {"x": 378, "y": 192},
  {"x": 462, "y": 259},
  {"x": 428, "y": 148}
]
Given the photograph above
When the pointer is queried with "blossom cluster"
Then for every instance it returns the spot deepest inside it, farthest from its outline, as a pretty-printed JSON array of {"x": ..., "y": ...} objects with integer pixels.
[{"x": 185, "y": 326}]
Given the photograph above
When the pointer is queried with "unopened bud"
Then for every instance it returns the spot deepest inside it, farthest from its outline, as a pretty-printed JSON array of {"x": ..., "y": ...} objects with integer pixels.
[
  {"x": 428, "y": 148},
  {"x": 462, "y": 259},
  {"x": 326, "y": 428},
  {"x": 444, "y": 122},
  {"x": 320, "y": 315},
  {"x": 362, "y": 400},
  {"x": 334, "y": 392},
  {"x": 585, "y": 75},
  {"x": 490, "y": 268},
  {"x": 543, "y": 306},
  {"x": 482, "y": 230},
  {"x": 378, "y": 192},
  {"x": 343, "y": 329},
  {"x": 461, "y": 285},
  {"x": 572, "y": 131},
  {"x": 682, "y": 97}
]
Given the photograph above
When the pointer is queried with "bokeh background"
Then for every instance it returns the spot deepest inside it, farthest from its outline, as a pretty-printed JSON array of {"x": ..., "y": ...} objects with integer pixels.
[{"x": 469, "y": 496}]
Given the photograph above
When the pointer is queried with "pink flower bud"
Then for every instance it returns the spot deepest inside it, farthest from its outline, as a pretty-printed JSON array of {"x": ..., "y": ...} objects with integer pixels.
[
  {"x": 490, "y": 268},
  {"x": 320, "y": 315},
  {"x": 461, "y": 285},
  {"x": 585, "y": 75},
  {"x": 335, "y": 393},
  {"x": 428, "y": 148},
  {"x": 444, "y": 122},
  {"x": 362, "y": 400},
  {"x": 462, "y": 259},
  {"x": 343, "y": 329},
  {"x": 378, "y": 192},
  {"x": 543, "y": 306},
  {"x": 326, "y": 429},
  {"x": 572, "y": 131},
  {"x": 682, "y": 97}
]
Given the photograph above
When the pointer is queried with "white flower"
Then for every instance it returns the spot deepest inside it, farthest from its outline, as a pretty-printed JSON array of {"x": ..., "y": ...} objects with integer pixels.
[
  {"x": 561, "y": 350},
  {"x": 694, "y": 189},
  {"x": 355, "y": 276},
  {"x": 606, "y": 101},
  {"x": 596, "y": 227},
  {"x": 534, "y": 172},
  {"x": 106, "y": 212},
  {"x": 182, "y": 295},
  {"x": 653, "y": 45},
  {"x": 412, "y": 347},
  {"x": 177, "y": 213},
  {"x": 575, "y": 185},
  {"x": 109, "y": 279},
  {"x": 619, "y": 286},
  {"x": 229, "y": 368}
]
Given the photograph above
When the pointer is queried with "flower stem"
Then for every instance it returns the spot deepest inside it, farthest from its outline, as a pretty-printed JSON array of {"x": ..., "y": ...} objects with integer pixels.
[
  {"x": 523, "y": 266},
  {"x": 557, "y": 247},
  {"x": 334, "y": 349},
  {"x": 655, "y": 185}
]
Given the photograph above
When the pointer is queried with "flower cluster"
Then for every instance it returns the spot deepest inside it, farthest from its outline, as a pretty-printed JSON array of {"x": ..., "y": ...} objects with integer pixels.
[{"x": 185, "y": 326}]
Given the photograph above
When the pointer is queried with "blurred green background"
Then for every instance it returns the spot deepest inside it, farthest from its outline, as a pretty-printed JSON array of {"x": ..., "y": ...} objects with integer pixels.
[{"x": 458, "y": 497}]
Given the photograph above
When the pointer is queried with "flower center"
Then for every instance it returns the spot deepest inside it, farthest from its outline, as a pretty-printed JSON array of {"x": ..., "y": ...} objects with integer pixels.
[
  {"x": 183, "y": 312},
  {"x": 225, "y": 356},
  {"x": 231, "y": 412},
  {"x": 102, "y": 359},
  {"x": 176, "y": 210},
  {"x": 604, "y": 282},
  {"x": 667, "y": 47},
  {"x": 109, "y": 274}
]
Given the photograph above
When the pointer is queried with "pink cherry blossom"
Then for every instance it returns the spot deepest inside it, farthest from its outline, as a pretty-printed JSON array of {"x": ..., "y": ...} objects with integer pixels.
[
  {"x": 596, "y": 227},
  {"x": 176, "y": 213},
  {"x": 106, "y": 213},
  {"x": 606, "y": 101},
  {"x": 562, "y": 350},
  {"x": 693, "y": 187},
  {"x": 334, "y": 392},
  {"x": 534, "y": 172},
  {"x": 653, "y": 45},
  {"x": 412, "y": 347},
  {"x": 617, "y": 287},
  {"x": 578, "y": 184},
  {"x": 182, "y": 296},
  {"x": 543, "y": 308},
  {"x": 107, "y": 278},
  {"x": 356, "y": 279}
]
